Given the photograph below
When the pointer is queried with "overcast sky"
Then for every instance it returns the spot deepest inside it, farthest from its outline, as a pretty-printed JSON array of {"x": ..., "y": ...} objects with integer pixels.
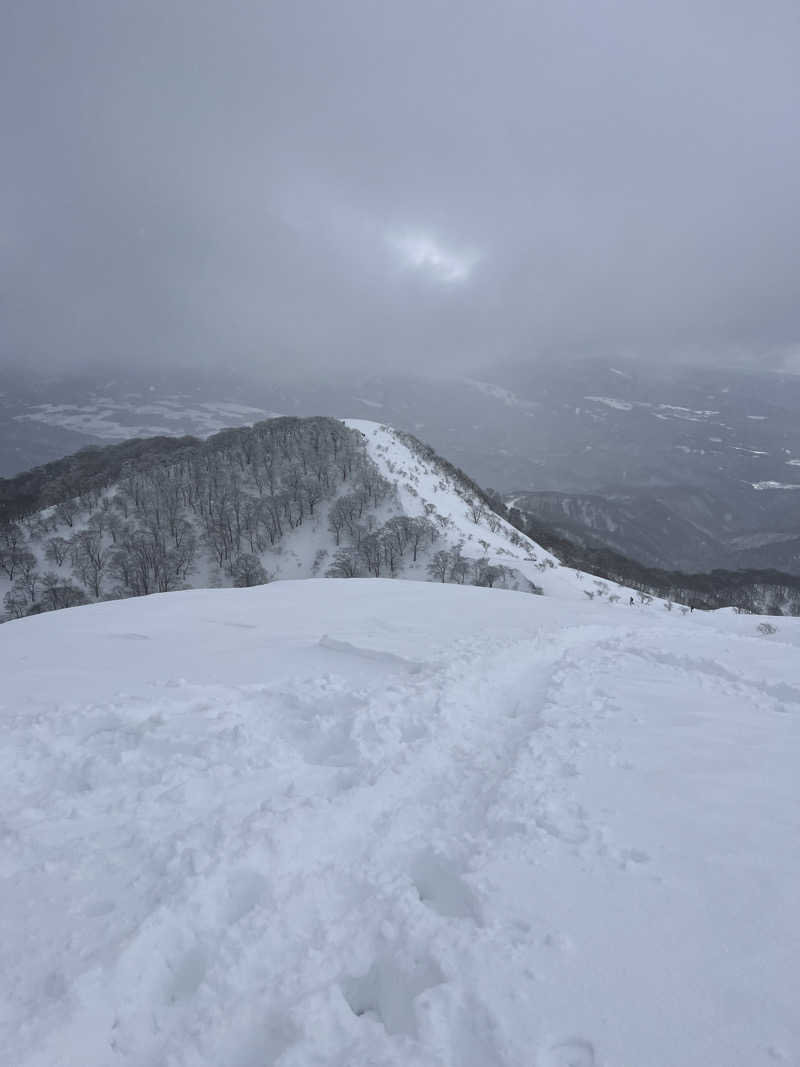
[{"x": 356, "y": 183}]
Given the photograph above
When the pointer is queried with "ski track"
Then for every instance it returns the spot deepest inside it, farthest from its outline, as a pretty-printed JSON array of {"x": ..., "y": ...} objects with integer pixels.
[{"x": 321, "y": 887}]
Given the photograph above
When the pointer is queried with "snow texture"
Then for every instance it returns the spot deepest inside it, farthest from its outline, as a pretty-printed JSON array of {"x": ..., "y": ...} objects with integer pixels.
[{"x": 380, "y": 822}]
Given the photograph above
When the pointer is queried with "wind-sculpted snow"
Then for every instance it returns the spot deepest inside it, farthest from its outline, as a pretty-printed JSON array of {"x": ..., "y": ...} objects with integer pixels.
[{"x": 396, "y": 823}]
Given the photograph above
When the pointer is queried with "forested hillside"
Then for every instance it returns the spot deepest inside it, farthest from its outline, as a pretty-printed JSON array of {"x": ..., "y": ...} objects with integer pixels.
[
  {"x": 287, "y": 497},
  {"x": 760, "y": 592},
  {"x": 299, "y": 498}
]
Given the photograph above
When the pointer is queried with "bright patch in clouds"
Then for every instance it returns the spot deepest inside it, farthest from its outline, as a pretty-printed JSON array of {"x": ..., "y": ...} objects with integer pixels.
[{"x": 426, "y": 254}]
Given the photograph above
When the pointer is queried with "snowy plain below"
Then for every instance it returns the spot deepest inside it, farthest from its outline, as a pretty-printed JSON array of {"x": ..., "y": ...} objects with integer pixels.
[{"x": 398, "y": 823}]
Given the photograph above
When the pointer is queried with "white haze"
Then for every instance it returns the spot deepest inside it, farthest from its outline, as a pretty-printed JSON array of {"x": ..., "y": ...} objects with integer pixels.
[{"x": 432, "y": 185}]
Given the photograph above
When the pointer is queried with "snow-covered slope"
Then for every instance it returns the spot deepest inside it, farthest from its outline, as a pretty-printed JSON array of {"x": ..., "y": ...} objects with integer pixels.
[
  {"x": 398, "y": 823},
  {"x": 424, "y": 487},
  {"x": 175, "y": 525}
]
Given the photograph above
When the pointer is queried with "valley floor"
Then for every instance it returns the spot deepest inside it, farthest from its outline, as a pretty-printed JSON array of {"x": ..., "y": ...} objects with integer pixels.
[{"x": 396, "y": 823}]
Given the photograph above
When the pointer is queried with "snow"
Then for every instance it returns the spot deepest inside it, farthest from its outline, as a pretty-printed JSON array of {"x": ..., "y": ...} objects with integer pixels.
[
  {"x": 398, "y": 823},
  {"x": 672, "y": 411},
  {"x": 119, "y": 420},
  {"x": 498, "y": 392},
  {"x": 611, "y": 402},
  {"x": 422, "y": 488},
  {"x": 419, "y": 482}
]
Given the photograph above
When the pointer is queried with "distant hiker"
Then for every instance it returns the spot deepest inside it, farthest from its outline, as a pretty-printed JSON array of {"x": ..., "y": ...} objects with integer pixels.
[
  {"x": 691, "y": 608},
  {"x": 631, "y": 601}
]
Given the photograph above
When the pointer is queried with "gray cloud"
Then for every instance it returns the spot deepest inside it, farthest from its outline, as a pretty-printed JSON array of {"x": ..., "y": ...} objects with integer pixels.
[{"x": 442, "y": 183}]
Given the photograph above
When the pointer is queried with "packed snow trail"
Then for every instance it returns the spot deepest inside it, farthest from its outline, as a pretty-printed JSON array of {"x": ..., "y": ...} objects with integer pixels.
[{"x": 395, "y": 823}]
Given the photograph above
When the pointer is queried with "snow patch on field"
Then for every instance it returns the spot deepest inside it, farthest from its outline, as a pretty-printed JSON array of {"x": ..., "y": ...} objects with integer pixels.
[
  {"x": 505, "y": 396},
  {"x": 118, "y": 420},
  {"x": 611, "y": 402}
]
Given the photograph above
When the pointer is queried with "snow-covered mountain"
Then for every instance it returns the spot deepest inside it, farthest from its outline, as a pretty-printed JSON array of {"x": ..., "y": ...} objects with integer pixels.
[
  {"x": 711, "y": 452},
  {"x": 288, "y": 498},
  {"x": 398, "y": 823}
]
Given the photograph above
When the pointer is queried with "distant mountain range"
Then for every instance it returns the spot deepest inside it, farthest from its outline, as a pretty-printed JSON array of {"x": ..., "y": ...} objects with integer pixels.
[
  {"x": 677, "y": 528},
  {"x": 677, "y": 467},
  {"x": 307, "y": 497}
]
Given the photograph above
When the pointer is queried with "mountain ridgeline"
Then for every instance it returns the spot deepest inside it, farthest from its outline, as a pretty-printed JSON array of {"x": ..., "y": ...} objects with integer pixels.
[
  {"x": 301, "y": 497},
  {"x": 678, "y": 467},
  {"x": 288, "y": 497}
]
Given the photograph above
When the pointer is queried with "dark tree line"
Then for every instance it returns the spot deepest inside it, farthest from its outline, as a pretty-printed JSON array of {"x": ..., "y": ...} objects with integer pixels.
[{"x": 95, "y": 467}]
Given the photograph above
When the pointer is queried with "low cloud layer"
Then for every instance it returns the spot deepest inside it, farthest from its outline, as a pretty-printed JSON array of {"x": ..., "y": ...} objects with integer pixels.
[{"x": 358, "y": 185}]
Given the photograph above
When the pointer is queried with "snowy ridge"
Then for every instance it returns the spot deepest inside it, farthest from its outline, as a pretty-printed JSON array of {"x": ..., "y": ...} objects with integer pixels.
[
  {"x": 397, "y": 823},
  {"x": 394, "y": 511},
  {"x": 423, "y": 488}
]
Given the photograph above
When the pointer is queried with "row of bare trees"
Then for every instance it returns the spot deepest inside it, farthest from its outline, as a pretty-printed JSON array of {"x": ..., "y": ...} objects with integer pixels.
[{"x": 376, "y": 552}]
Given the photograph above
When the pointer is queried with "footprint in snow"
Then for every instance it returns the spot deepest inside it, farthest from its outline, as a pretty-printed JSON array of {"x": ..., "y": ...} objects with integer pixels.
[
  {"x": 187, "y": 974},
  {"x": 246, "y": 891},
  {"x": 388, "y": 991},
  {"x": 633, "y": 855},
  {"x": 558, "y": 942},
  {"x": 441, "y": 888},
  {"x": 98, "y": 908},
  {"x": 574, "y": 1052}
]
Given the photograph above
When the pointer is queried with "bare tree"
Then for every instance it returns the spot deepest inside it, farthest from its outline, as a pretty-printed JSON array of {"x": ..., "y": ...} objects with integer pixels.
[
  {"x": 439, "y": 566},
  {"x": 57, "y": 594},
  {"x": 66, "y": 512},
  {"x": 247, "y": 570},
  {"x": 345, "y": 565},
  {"x": 12, "y": 545},
  {"x": 56, "y": 550},
  {"x": 16, "y": 602},
  {"x": 89, "y": 558}
]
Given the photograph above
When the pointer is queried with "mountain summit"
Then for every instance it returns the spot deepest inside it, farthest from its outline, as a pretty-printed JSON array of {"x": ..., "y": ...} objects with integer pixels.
[{"x": 396, "y": 823}]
